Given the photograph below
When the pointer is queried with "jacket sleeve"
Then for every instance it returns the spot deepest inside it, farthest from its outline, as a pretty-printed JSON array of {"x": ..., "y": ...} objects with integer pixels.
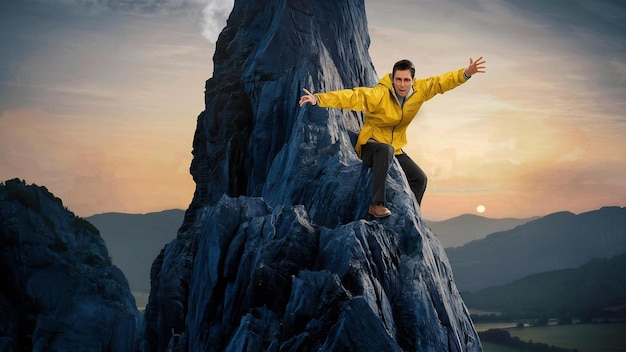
[
  {"x": 358, "y": 99},
  {"x": 432, "y": 86}
]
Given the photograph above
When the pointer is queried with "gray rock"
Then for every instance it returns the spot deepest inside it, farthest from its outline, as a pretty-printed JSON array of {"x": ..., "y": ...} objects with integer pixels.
[{"x": 59, "y": 289}]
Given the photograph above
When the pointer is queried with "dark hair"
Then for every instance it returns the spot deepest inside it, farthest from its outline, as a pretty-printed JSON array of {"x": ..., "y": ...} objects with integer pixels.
[{"x": 403, "y": 65}]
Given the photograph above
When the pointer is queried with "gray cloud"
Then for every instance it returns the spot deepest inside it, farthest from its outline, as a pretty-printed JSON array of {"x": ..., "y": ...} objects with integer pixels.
[
  {"x": 215, "y": 15},
  {"x": 213, "y": 18},
  {"x": 134, "y": 6}
]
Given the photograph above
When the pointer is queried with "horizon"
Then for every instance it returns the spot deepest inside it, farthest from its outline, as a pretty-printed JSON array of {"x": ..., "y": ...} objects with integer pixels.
[
  {"x": 98, "y": 103},
  {"x": 426, "y": 219}
]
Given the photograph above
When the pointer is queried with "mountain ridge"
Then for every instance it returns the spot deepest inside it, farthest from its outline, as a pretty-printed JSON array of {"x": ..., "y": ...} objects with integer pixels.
[
  {"x": 568, "y": 240},
  {"x": 459, "y": 230},
  {"x": 134, "y": 240},
  {"x": 581, "y": 292}
]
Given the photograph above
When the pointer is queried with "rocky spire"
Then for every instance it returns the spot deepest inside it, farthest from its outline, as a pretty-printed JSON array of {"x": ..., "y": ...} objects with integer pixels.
[{"x": 275, "y": 253}]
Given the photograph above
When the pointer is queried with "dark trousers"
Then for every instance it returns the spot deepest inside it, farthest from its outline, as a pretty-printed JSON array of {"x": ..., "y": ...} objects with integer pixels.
[{"x": 379, "y": 156}]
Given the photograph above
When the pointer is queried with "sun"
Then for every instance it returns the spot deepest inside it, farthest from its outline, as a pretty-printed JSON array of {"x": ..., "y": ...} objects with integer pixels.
[{"x": 481, "y": 208}]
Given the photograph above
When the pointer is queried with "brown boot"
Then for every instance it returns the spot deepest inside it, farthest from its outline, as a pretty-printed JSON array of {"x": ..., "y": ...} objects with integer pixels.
[{"x": 379, "y": 210}]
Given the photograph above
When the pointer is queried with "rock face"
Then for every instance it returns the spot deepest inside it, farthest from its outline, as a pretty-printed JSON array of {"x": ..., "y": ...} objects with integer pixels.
[
  {"x": 276, "y": 252},
  {"x": 59, "y": 291}
]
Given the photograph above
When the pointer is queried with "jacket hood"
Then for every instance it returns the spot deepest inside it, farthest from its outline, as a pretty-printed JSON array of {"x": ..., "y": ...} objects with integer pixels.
[{"x": 386, "y": 81}]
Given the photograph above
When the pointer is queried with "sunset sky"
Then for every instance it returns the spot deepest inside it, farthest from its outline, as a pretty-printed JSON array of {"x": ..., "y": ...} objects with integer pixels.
[{"x": 99, "y": 100}]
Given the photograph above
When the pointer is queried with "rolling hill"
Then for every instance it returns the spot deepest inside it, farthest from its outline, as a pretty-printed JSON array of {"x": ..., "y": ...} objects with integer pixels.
[
  {"x": 557, "y": 241},
  {"x": 465, "y": 228},
  {"x": 597, "y": 285}
]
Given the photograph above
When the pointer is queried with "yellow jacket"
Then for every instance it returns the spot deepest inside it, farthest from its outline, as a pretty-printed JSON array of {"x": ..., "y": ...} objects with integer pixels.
[{"x": 385, "y": 120}]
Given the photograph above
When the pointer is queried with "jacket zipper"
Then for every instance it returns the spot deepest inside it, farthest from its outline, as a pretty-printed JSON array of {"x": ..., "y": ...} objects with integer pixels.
[{"x": 393, "y": 130}]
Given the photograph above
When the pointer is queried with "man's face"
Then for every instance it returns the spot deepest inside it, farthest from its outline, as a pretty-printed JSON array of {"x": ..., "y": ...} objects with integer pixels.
[{"x": 402, "y": 82}]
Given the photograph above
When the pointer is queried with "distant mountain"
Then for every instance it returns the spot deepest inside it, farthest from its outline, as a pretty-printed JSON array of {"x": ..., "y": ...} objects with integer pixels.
[
  {"x": 135, "y": 240},
  {"x": 463, "y": 229},
  {"x": 598, "y": 284},
  {"x": 557, "y": 241}
]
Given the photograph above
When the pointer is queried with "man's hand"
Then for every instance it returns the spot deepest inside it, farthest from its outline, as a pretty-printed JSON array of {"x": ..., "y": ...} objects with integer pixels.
[
  {"x": 477, "y": 66},
  {"x": 308, "y": 98}
]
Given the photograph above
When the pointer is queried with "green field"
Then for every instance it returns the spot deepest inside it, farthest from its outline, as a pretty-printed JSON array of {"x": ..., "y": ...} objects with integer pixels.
[{"x": 583, "y": 337}]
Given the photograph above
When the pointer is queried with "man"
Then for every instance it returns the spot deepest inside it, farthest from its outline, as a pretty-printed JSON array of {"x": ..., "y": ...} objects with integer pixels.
[{"x": 389, "y": 108}]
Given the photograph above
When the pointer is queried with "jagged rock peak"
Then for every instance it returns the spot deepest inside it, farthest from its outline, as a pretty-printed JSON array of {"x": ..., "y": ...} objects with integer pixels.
[
  {"x": 59, "y": 290},
  {"x": 274, "y": 253}
]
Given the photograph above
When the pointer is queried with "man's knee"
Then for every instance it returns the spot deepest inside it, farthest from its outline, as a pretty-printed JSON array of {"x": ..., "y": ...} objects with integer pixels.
[
  {"x": 387, "y": 150},
  {"x": 419, "y": 178},
  {"x": 381, "y": 153}
]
